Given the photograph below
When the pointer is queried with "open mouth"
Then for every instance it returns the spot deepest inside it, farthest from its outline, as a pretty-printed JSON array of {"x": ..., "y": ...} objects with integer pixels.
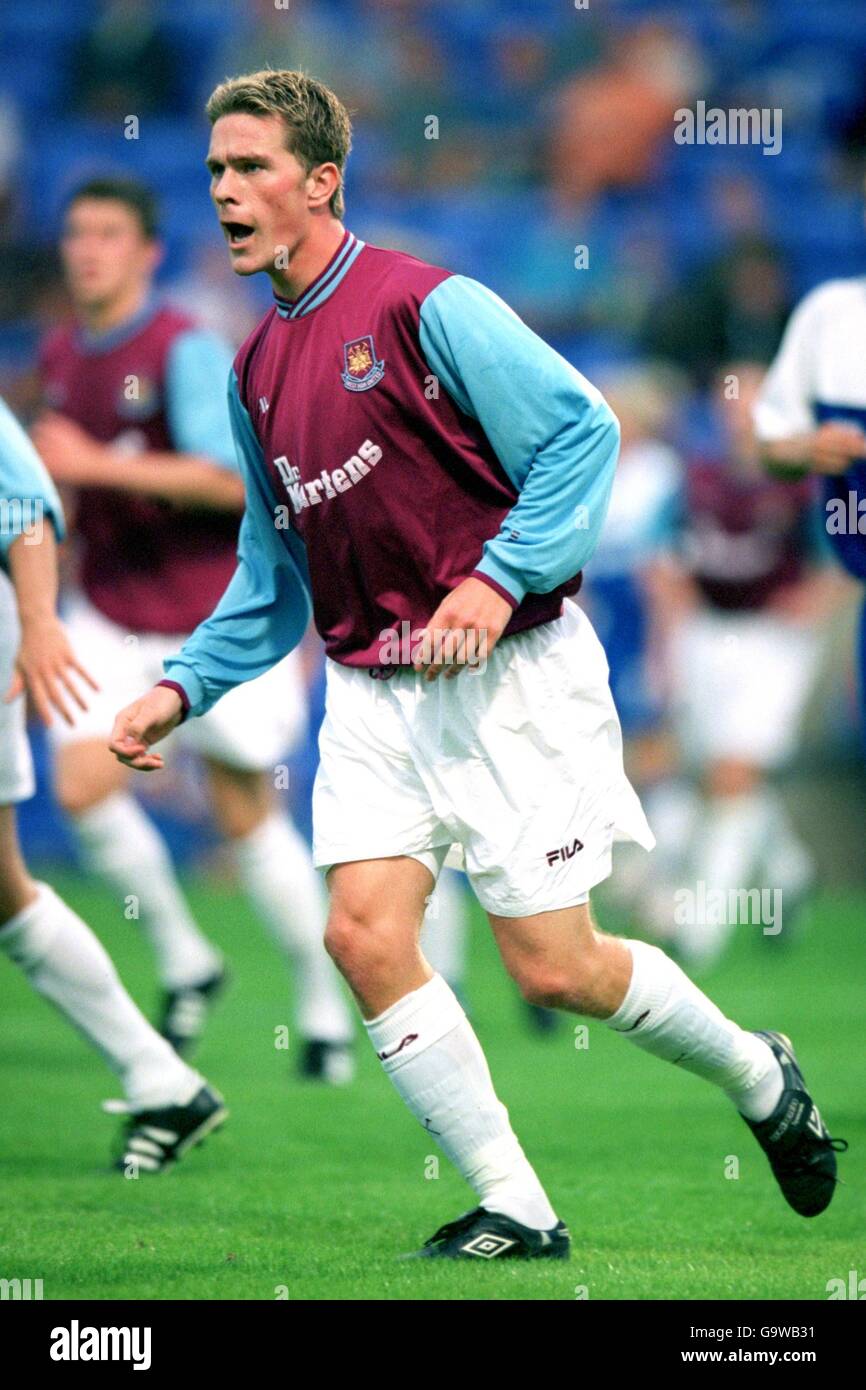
[{"x": 237, "y": 232}]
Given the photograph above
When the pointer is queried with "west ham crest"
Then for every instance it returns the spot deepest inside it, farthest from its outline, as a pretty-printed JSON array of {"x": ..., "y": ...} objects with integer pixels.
[{"x": 362, "y": 369}]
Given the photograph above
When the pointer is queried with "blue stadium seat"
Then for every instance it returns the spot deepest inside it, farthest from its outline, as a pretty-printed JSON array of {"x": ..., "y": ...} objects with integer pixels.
[{"x": 36, "y": 79}]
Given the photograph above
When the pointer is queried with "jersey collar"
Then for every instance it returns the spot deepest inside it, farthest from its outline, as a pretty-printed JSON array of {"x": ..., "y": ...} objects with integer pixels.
[
  {"x": 325, "y": 283},
  {"x": 89, "y": 342}
]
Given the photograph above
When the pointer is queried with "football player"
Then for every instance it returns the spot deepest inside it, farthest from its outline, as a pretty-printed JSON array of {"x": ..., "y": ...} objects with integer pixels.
[
  {"x": 138, "y": 424},
  {"x": 170, "y": 1106},
  {"x": 424, "y": 472},
  {"x": 744, "y": 660}
]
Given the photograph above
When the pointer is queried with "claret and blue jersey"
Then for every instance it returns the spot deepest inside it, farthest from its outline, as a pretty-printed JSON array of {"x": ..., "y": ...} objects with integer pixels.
[
  {"x": 400, "y": 429},
  {"x": 152, "y": 384}
]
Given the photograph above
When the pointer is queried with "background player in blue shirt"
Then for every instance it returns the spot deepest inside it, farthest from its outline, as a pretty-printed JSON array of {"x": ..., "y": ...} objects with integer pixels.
[{"x": 811, "y": 415}]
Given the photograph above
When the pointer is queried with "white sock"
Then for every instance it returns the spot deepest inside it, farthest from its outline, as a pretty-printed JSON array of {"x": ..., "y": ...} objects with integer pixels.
[
  {"x": 427, "y": 1047},
  {"x": 728, "y": 854},
  {"x": 278, "y": 875},
  {"x": 119, "y": 842},
  {"x": 665, "y": 1013},
  {"x": 445, "y": 929},
  {"x": 66, "y": 964}
]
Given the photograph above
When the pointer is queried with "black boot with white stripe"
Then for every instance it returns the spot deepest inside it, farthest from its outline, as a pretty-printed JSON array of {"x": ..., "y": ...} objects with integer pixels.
[
  {"x": 795, "y": 1139},
  {"x": 487, "y": 1235},
  {"x": 155, "y": 1139}
]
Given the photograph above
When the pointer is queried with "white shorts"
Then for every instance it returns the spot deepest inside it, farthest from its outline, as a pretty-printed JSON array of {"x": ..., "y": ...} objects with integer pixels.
[
  {"x": 741, "y": 681},
  {"x": 251, "y": 728},
  {"x": 520, "y": 765},
  {"x": 17, "y": 782}
]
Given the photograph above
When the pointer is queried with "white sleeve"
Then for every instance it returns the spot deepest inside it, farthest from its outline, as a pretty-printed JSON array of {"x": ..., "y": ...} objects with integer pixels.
[{"x": 784, "y": 405}]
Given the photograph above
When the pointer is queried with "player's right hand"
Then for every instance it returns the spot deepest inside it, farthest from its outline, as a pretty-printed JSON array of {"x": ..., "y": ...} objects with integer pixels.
[
  {"x": 143, "y": 723},
  {"x": 45, "y": 667},
  {"x": 835, "y": 446}
]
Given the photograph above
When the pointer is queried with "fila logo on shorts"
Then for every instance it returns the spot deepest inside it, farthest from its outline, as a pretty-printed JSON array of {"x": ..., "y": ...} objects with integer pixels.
[{"x": 566, "y": 852}]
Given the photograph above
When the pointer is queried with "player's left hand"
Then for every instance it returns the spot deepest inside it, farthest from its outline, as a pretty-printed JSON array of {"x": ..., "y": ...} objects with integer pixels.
[
  {"x": 70, "y": 454},
  {"x": 44, "y": 667},
  {"x": 463, "y": 631}
]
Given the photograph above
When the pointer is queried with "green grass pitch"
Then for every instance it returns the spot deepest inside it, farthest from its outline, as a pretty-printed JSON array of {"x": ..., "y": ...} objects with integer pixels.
[{"x": 309, "y": 1193}]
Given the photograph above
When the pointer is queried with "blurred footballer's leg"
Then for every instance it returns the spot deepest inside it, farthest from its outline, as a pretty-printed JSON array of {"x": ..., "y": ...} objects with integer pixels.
[
  {"x": 277, "y": 872},
  {"x": 119, "y": 842},
  {"x": 743, "y": 829}
]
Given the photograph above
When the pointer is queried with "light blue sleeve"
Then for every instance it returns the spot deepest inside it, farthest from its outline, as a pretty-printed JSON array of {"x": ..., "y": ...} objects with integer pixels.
[
  {"x": 198, "y": 366},
  {"x": 550, "y": 428},
  {"x": 264, "y": 611},
  {"x": 27, "y": 493}
]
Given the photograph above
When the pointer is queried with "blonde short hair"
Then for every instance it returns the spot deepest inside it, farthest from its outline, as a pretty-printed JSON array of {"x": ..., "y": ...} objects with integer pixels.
[{"x": 317, "y": 123}]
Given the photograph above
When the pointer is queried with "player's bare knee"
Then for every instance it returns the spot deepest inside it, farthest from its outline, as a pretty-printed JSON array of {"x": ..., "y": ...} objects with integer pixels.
[
  {"x": 552, "y": 984},
  {"x": 543, "y": 983},
  {"x": 77, "y": 798},
  {"x": 73, "y": 799},
  {"x": 337, "y": 939},
  {"x": 85, "y": 774},
  {"x": 357, "y": 945}
]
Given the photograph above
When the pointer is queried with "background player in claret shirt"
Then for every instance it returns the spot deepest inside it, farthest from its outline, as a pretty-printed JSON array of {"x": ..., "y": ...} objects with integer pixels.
[
  {"x": 466, "y": 513},
  {"x": 171, "y": 1107},
  {"x": 139, "y": 425},
  {"x": 745, "y": 570}
]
